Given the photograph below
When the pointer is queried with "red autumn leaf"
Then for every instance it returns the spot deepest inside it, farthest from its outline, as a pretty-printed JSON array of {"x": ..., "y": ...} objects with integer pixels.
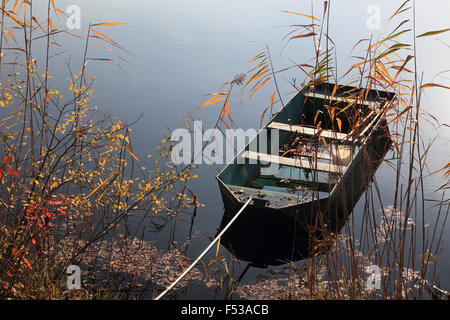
[
  {"x": 51, "y": 216},
  {"x": 13, "y": 172},
  {"x": 27, "y": 263},
  {"x": 6, "y": 159}
]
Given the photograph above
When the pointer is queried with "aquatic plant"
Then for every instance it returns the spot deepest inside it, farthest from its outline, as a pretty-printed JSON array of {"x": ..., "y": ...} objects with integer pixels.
[
  {"x": 402, "y": 239},
  {"x": 68, "y": 171}
]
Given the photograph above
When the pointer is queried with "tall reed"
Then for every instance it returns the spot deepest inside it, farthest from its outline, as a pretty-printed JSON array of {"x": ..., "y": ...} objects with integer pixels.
[
  {"x": 68, "y": 173},
  {"x": 397, "y": 233}
]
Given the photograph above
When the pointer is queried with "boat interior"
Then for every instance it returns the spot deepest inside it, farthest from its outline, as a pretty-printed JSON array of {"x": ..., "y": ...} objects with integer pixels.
[{"x": 319, "y": 133}]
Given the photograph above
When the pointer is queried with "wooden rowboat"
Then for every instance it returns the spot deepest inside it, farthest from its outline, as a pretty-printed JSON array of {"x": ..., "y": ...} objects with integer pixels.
[{"x": 331, "y": 141}]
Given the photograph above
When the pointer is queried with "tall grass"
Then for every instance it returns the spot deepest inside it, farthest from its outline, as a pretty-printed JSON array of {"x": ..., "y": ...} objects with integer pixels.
[
  {"x": 397, "y": 233},
  {"x": 68, "y": 173}
]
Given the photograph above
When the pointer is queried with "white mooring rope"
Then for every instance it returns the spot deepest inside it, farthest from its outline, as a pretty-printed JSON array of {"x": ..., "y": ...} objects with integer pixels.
[{"x": 204, "y": 252}]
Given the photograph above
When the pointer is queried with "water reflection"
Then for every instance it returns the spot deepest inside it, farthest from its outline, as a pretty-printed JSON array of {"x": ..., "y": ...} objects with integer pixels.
[
  {"x": 182, "y": 50},
  {"x": 263, "y": 239}
]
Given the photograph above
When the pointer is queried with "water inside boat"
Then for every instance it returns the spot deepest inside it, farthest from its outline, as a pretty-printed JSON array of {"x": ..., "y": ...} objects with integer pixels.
[{"x": 316, "y": 145}]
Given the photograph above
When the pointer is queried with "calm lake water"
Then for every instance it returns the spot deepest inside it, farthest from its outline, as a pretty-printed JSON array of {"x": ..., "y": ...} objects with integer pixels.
[{"x": 181, "y": 50}]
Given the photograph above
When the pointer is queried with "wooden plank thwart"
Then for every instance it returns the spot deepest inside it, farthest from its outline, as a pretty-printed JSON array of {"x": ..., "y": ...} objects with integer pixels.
[
  {"x": 316, "y": 155},
  {"x": 298, "y": 163},
  {"x": 307, "y": 131},
  {"x": 373, "y": 105}
]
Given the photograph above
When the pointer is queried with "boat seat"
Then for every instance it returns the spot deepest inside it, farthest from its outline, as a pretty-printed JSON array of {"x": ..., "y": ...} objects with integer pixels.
[
  {"x": 372, "y": 105},
  {"x": 329, "y": 134},
  {"x": 317, "y": 155},
  {"x": 298, "y": 163},
  {"x": 308, "y": 131}
]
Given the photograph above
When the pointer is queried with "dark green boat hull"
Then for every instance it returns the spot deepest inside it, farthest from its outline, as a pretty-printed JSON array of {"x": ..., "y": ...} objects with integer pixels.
[{"x": 273, "y": 236}]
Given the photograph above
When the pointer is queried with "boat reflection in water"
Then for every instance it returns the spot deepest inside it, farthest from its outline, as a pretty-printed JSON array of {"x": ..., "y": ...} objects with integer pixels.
[
  {"x": 265, "y": 239},
  {"x": 321, "y": 174}
]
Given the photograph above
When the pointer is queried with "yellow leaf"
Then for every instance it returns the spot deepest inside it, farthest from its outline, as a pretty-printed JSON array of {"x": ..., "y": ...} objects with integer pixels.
[
  {"x": 303, "y": 15},
  {"x": 218, "y": 97},
  {"x": 107, "y": 24},
  {"x": 132, "y": 154},
  {"x": 22, "y": 24},
  {"x": 218, "y": 246},
  {"x": 339, "y": 122},
  {"x": 290, "y": 150},
  {"x": 432, "y": 33},
  {"x": 310, "y": 34},
  {"x": 428, "y": 85}
]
